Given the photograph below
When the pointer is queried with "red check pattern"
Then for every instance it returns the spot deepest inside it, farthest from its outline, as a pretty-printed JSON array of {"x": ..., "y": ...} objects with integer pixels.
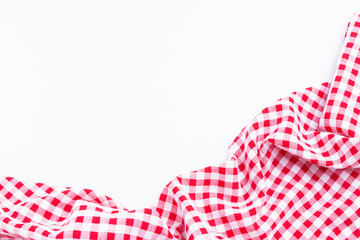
[
  {"x": 292, "y": 173},
  {"x": 342, "y": 110}
]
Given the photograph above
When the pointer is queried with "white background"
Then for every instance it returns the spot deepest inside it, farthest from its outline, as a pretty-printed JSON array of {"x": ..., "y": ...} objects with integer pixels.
[{"x": 121, "y": 97}]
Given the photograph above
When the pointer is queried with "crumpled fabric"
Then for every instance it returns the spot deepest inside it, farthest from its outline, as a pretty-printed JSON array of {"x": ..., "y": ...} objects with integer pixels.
[{"x": 292, "y": 173}]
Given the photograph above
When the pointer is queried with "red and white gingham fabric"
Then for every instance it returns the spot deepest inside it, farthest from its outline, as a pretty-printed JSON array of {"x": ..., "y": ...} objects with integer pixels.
[
  {"x": 342, "y": 109},
  {"x": 293, "y": 173}
]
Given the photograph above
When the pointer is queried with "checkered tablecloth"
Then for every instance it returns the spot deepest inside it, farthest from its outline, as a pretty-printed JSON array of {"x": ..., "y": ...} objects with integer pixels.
[{"x": 293, "y": 173}]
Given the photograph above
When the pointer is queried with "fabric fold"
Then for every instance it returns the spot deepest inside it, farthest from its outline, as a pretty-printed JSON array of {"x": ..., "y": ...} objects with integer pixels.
[{"x": 342, "y": 109}]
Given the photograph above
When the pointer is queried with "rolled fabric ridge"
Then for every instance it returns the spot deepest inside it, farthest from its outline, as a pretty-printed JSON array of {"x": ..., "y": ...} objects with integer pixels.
[
  {"x": 293, "y": 172},
  {"x": 342, "y": 109}
]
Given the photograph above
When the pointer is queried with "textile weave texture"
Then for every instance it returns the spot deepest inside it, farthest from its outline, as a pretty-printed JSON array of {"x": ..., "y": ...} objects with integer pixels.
[{"x": 292, "y": 173}]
